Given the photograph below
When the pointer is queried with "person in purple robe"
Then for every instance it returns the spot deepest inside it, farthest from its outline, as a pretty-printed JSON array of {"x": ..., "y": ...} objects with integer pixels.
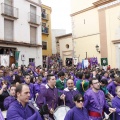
[
  {"x": 37, "y": 85},
  {"x": 95, "y": 101},
  {"x": 69, "y": 93},
  {"x": 116, "y": 103},
  {"x": 106, "y": 76},
  {"x": 20, "y": 109},
  {"x": 8, "y": 100},
  {"x": 111, "y": 87},
  {"x": 44, "y": 79},
  {"x": 3, "y": 94},
  {"x": 31, "y": 86},
  {"x": 9, "y": 77},
  {"x": 78, "y": 112},
  {"x": 1, "y": 76},
  {"x": 50, "y": 94}
]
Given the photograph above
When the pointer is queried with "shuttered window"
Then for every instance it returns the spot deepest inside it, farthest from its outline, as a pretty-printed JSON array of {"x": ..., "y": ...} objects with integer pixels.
[
  {"x": 32, "y": 13},
  {"x": 8, "y": 2},
  {"x": 33, "y": 34},
  {"x": 8, "y": 30},
  {"x": 8, "y": 9},
  {"x": 44, "y": 45}
]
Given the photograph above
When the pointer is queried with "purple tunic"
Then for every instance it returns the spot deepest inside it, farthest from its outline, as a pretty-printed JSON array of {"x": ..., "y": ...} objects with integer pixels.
[
  {"x": 116, "y": 104},
  {"x": 17, "y": 112},
  {"x": 111, "y": 88},
  {"x": 51, "y": 96},
  {"x": 9, "y": 79},
  {"x": 69, "y": 94},
  {"x": 75, "y": 80},
  {"x": 36, "y": 88},
  {"x": 8, "y": 101},
  {"x": 44, "y": 80},
  {"x": 77, "y": 114},
  {"x": 95, "y": 102}
]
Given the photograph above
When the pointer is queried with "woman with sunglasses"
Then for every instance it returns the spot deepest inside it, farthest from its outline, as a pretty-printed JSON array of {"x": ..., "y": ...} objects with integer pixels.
[{"x": 78, "y": 112}]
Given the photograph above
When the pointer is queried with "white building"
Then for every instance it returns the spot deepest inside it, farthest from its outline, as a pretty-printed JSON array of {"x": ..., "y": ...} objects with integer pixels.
[{"x": 20, "y": 30}]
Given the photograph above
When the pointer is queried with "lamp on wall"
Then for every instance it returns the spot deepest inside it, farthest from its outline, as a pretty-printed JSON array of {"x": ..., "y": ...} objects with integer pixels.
[{"x": 97, "y": 48}]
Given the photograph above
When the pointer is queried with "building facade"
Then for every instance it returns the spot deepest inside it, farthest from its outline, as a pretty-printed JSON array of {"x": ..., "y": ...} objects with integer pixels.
[
  {"x": 20, "y": 30},
  {"x": 55, "y": 33},
  {"x": 96, "y": 30},
  {"x": 46, "y": 32},
  {"x": 65, "y": 47}
]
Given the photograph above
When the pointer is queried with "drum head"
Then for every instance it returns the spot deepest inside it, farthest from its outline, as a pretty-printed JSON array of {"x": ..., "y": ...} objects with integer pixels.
[{"x": 60, "y": 112}]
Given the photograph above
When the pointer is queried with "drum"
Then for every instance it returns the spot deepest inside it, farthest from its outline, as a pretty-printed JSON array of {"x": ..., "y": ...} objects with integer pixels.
[
  {"x": 4, "y": 113},
  {"x": 60, "y": 112}
]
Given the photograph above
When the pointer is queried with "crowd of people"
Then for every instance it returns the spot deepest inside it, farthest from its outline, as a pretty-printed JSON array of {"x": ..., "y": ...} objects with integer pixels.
[{"x": 34, "y": 93}]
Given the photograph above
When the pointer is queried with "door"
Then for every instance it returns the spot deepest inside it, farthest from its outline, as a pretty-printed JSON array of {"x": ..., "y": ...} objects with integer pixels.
[{"x": 12, "y": 60}]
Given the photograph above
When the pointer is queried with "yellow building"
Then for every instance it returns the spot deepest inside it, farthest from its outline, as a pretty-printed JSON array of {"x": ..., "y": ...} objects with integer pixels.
[
  {"x": 46, "y": 32},
  {"x": 96, "y": 29}
]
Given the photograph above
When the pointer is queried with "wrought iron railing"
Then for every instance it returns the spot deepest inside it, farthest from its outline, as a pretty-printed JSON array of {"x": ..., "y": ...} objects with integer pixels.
[
  {"x": 9, "y": 10},
  {"x": 33, "y": 18}
]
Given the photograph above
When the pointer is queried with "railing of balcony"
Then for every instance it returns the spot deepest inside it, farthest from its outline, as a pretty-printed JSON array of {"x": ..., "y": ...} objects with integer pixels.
[
  {"x": 9, "y": 10},
  {"x": 45, "y": 30},
  {"x": 45, "y": 16},
  {"x": 33, "y": 18}
]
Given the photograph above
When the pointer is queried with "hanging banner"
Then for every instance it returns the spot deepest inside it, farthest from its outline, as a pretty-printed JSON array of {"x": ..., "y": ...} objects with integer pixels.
[
  {"x": 16, "y": 58},
  {"x": 86, "y": 63},
  {"x": 75, "y": 61},
  {"x": 5, "y": 60},
  {"x": 104, "y": 61}
]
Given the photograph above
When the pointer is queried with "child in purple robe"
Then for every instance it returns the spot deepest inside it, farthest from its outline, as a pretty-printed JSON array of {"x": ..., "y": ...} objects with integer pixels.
[
  {"x": 78, "y": 112},
  {"x": 116, "y": 103}
]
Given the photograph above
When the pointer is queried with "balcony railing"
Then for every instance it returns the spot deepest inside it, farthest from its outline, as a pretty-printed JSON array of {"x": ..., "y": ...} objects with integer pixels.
[
  {"x": 45, "y": 16},
  {"x": 8, "y": 10},
  {"x": 33, "y": 18},
  {"x": 45, "y": 30}
]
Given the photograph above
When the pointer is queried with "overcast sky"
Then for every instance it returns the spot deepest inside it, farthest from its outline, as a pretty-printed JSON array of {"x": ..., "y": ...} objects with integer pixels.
[{"x": 60, "y": 16}]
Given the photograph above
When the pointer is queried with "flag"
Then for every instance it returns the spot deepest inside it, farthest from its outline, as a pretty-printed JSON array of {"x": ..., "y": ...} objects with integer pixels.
[
  {"x": 82, "y": 64},
  {"x": 104, "y": 61},
  {"x": 79, "y": 65},
  {"x": 16, "y": 58}
]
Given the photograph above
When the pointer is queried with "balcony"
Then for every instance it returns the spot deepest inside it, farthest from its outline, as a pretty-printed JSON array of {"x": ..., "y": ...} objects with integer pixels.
[
  {"x": 33, "y": 19},
  {"x": 45, "y": 16},
  {"x": 45, "y": 30},
  {"x": 9, "y": 11}
]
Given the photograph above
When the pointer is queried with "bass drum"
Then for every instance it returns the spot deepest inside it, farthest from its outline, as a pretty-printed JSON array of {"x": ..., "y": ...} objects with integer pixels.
[{"x": 60, "y": 112}]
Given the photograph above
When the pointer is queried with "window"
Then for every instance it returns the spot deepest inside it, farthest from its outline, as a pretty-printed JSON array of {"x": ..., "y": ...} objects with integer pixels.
[
  {"x": 43, "y": 13},
  {"x": 8, "y": 30},
  {"x": 31, "y": 60},
  {"x": 67, "y": 46},
  {"x": 44, "y": 45},
  {"x": 32, "y": 13},
  {"x": 33, "y": 34},
  {"x": 44, "y": 28},
  {"x": 8, "y": 9},
  {"x": 8, "y": 2}
]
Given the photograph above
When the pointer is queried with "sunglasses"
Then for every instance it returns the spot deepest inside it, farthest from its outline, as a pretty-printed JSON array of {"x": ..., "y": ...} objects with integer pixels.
[{"x": 80, "y": 101}]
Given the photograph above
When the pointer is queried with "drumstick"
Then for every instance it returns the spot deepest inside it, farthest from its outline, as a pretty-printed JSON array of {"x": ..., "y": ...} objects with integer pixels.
[
  {"x": 53, "y": 104},
  {"x": 36, "y": 98},
  {"x": 64, "y": 102},
  {"x": 108, "y": 115}
]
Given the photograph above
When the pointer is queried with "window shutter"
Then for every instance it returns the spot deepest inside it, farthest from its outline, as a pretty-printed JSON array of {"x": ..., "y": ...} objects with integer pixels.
[
  {"x": 8, "y": 30},
  {"x": 33, "y": 35}
]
